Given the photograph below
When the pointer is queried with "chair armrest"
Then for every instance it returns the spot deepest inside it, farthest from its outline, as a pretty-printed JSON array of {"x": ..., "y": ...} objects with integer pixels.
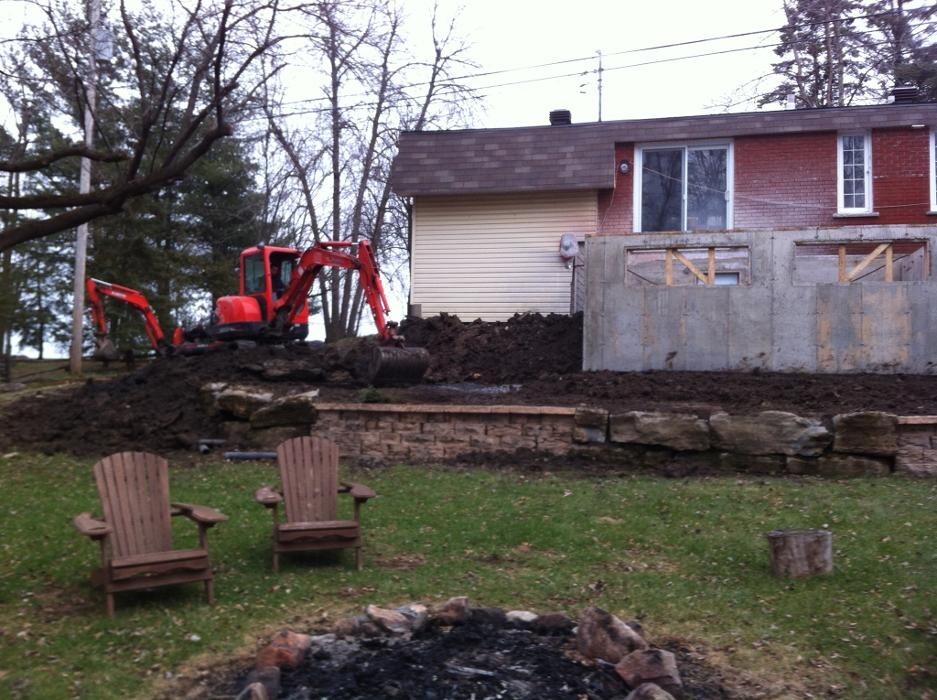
[
  {"x": 90, "y": 526},
  {"x": 267, "y": 496},
  {"x": 200, "y": 514},
  {"x": 359, "y": 492}
]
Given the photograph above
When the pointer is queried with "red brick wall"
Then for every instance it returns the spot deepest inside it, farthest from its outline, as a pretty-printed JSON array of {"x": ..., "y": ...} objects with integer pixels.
[
  {"x": 789, "y": 181},
  {"x": 615, "y": 206},
  {"x": 900, "y": 172}
]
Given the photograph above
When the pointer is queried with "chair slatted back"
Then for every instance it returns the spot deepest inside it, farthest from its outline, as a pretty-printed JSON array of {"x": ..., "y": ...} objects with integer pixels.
[
  {"x": 134, "y": 492},
  {"x": 309, "y": 472}
]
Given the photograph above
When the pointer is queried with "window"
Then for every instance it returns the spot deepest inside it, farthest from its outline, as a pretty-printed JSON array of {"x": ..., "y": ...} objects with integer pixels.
[
  {"x": 933, "y": 171},
  {"x": 254, "y": 275},
  {"x": 854, "y": 173},
  {"x": 688, "y": 266},
  {"x": 683, "y": 188},
  {"x": 852, "y": 262}
]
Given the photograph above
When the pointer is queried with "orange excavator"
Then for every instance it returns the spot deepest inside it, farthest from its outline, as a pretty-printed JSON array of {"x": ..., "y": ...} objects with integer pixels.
[{"x": 272, "y": 306}]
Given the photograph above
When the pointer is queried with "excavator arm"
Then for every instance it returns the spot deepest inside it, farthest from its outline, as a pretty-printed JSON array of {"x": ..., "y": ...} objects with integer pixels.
[
  {"x": 324, "y": 254},
  {"x": 387, "y": 363},
  {"x": 95, "y": 291}
]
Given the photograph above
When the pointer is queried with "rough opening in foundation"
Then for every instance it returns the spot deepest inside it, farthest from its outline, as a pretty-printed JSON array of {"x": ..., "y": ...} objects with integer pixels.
[
  {"x": 711, "y": 266},
  {"x": 861, "y": 261}
]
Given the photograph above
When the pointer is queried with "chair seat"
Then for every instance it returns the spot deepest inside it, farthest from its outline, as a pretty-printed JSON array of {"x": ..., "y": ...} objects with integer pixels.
[
  {"x": 332, "y": 530},
  {"x": 319, "y": 525},
  {"x": 158, "y": 563}
]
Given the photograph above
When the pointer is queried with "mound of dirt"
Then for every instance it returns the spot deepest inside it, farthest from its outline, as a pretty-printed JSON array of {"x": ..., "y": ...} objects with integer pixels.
[
  {"x": 525, "y": 347},
  {"x": 529, "y": 359}
]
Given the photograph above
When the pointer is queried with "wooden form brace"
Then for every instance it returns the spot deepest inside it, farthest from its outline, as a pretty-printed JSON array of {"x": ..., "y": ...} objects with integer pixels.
[
  {"x": 709, "y": 278},
  {"x": 848, "y": 277}
]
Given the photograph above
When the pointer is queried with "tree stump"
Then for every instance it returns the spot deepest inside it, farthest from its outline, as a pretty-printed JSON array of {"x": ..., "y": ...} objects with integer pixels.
[{"x": 797, "y": 553}]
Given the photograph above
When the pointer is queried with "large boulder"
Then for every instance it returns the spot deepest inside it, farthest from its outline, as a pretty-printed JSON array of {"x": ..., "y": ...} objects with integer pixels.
[
  {"x": 769, "y": 432},
  {"x": 845, "y": 466},
  {"x": 751, "y": 464},
  {"x": 239, "y": 401},
  {"x": 868, "y": 432},
  {"x": 678, "y": 431},
  {"x": 295, "y": 409},
  {"x": 590, "y": 425},
  {"x": 601, "y": 635},
  {"x": 651, "y": 666}
]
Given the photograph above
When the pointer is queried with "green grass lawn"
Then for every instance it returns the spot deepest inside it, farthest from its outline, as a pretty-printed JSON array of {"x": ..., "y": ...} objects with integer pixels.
[{"x": 686, "y": 557}]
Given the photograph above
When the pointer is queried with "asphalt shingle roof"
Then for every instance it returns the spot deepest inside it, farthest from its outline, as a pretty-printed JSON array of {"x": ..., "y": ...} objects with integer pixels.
[{"x": 582, "y": 156}]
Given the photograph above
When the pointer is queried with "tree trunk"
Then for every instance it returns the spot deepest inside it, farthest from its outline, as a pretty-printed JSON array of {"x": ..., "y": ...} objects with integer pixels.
[{"x": 798, "y": 553}]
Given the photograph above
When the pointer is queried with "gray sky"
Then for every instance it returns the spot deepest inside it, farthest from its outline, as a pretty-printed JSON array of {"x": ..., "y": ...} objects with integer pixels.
[{"x": 517, "y": 33}]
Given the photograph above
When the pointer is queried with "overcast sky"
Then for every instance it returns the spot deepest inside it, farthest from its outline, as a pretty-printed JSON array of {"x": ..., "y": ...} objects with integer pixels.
[{"x": 517, "y": 33}]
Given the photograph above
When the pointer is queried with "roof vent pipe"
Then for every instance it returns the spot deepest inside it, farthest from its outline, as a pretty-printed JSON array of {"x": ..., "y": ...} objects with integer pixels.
[
  {"x": 904, "y": 94},
  {"x": 560, "y": 117}
]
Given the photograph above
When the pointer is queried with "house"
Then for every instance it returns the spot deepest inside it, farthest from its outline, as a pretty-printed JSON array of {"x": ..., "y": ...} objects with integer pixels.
[{"x": 665, "y": 205}]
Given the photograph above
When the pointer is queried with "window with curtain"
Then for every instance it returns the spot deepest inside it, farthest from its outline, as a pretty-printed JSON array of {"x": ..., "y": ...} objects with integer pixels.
[{"x": 684, "y": 188}]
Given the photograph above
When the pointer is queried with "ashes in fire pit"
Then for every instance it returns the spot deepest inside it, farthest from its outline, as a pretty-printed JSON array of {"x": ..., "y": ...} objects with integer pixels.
[{"x": 459, "y": 652}]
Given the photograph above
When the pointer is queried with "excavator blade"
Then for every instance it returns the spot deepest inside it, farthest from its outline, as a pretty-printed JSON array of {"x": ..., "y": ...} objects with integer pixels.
[
  {"x": 390, "y": 365},
  {"x": 104, "y": 349}
]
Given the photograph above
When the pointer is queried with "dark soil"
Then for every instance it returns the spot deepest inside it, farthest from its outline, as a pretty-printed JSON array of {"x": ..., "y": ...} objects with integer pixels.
[
  {"x": 477, "y": 659},
  {"x": 529, "y": 359}
]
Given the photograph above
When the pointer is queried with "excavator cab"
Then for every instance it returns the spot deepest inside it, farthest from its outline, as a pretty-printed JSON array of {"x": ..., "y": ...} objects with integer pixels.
[{"x": 265, "y": 271}]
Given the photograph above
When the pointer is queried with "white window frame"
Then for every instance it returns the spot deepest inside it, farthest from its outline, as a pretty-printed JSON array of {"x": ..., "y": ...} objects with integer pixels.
[
  {"x": 932, "y": 159},
  {"x": 867, "y": 149},
  {"x": 685, "y": 145}
]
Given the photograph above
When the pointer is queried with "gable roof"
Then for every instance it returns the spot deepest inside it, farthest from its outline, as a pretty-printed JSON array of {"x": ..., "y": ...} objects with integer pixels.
[{"x": 582, "y": 156}]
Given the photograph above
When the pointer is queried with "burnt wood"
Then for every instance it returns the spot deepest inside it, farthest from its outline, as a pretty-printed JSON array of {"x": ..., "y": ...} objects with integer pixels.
[
  {"x": 309, "y": 493},
  {"x": 135, "y": 532}
]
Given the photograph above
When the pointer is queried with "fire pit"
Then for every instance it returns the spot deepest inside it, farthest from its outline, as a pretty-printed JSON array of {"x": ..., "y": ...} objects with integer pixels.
[{"x": 459, "y": 651}]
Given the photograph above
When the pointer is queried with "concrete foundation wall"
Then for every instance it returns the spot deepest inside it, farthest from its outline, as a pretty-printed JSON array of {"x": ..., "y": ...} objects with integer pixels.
[{"x": 774, "y": 323}]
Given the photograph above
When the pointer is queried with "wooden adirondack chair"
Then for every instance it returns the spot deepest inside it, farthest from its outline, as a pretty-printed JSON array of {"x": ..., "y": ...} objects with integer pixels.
[
  {"x": 134, "y": 533},
  {"x": 310, "y": 488}
]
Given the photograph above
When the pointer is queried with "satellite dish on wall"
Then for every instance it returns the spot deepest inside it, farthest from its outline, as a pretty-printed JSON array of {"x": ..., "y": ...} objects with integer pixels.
[{"x": 569, "y": 248}]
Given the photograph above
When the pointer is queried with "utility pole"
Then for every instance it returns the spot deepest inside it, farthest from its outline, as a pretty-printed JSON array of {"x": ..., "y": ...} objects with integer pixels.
[
  {"x": 84, "y": 186},
  {"x": 600, "y": 84}
]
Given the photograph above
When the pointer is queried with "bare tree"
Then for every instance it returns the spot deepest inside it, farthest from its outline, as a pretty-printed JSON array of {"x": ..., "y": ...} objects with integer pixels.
[
  {"x": 190, "y": 82},
  {"x": 340, "y": 158}
]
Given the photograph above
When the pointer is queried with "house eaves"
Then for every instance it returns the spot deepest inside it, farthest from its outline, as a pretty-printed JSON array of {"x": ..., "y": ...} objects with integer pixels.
[{"x": 582, "y": 156}]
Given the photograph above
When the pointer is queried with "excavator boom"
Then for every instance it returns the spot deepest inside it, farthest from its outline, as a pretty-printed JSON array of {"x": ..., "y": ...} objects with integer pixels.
[{"x": 96, "y": 290}]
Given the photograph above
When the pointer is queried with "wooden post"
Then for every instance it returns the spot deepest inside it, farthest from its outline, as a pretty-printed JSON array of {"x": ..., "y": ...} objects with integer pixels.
[
  {"x": 798, "y": 553},
  {"x": 711, "y": 267},
  {"x": 668, "y": 267},
  {"x": 889, "y": 264},
  {"x": 842, "y": 264}
]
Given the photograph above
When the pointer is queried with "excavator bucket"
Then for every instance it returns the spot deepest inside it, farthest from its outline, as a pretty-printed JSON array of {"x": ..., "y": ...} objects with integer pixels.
[
  {"x": 390, "y": 365},
  {"x": 104, "y": 349}
]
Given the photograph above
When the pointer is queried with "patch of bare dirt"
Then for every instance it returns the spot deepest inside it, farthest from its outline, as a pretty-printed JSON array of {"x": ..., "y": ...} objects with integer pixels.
[{"x": 529, "y": 359}]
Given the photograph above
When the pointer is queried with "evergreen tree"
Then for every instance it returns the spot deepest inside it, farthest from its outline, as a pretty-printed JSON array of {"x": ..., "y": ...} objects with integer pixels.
[{"x": 821, "y": 51}]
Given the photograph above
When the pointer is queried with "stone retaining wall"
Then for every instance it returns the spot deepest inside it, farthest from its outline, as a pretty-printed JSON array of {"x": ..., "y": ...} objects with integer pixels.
[
  {"x": 850, "y": 444},
  {"x": 421, "y": 432},
  {"x": 917, "y": 445}
]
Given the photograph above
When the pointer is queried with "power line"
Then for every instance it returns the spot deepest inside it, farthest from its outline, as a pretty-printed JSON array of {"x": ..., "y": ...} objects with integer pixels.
[
  {"x": 561, "y": 76},
  {"x": 643, "y": 49}
]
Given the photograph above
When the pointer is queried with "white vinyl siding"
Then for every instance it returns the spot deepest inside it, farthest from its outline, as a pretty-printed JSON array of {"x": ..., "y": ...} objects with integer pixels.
[{"x": 491, "y": 256}]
